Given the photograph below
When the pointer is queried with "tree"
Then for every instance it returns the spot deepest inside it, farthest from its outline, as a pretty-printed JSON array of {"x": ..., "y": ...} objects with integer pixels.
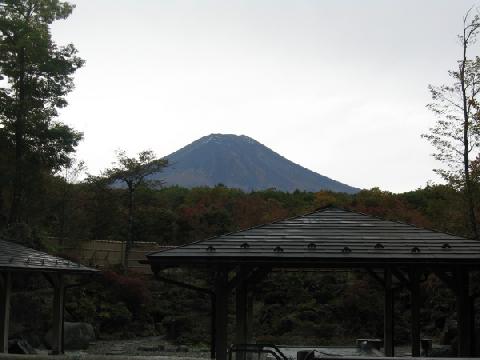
[
  {"x": 134, "y": 172},
  {"x": 36, "y": 76},
  {"x": 456, "y": 134},
  {"x": 70, "y": 175}
]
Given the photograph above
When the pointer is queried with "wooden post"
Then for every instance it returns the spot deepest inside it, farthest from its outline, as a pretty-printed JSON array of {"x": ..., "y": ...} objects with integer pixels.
[
  {"x": 250, "y": 298},
  {"x": 415, "y": 300},
  {"x": 213, "y": 324},
  {"x": 388, "y": 315},
  {"x": 58, "y": 308},
  {"x": 5, "y": 292},
  {"x": 241, "y": 294},
  {"x": 463, "y": 313},
  {"x": 473, "y": 347},
  {"x": 221, "y": 314}
]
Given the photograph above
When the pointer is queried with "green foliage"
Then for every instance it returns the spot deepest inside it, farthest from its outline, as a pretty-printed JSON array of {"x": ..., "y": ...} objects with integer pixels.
[
  {"x": 317, "y": 308},
  {"x": 36, "y": 75},
  {"x": 134, "y": 171},
  {"x": 39, "y": 75},
  {"x": 112, "y": 302}
]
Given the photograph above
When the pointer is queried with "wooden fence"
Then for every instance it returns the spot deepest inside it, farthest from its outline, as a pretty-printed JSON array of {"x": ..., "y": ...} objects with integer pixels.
[{"x": 104, "y": 254}]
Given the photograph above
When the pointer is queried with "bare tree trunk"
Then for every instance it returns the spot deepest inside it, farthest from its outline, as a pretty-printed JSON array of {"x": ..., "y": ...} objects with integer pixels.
[
  {"x": 63, "y": 214},
  {"x": 466, "y": 146},
  {"x": 129, "y": 245},
  {"x": 469, "y": 198}
]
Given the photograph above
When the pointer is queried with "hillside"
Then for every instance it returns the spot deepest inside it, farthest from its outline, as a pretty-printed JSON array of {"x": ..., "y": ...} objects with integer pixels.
[{"x": 244, "y": 163}]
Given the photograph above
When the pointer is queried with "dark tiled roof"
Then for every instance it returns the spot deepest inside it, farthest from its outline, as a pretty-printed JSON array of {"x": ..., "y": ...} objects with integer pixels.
[
  {"x": 327, "y": 236},
  {"x": 16, "y": 257}
]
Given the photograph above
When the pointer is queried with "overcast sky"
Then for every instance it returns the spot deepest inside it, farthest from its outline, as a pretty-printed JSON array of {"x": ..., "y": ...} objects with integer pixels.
[{"x": 337, "y": 86}]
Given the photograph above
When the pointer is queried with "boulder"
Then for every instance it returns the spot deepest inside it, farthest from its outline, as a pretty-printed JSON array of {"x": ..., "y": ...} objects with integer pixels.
[
  {"x": 182, "y": 348},
  {"x": 116, "y": 349},
  {"x": 77, "y": 336},
  {"x": 367, "y": 345},
  {"x": 148, "y": 348},
  {"x": 442, "y": 351}
]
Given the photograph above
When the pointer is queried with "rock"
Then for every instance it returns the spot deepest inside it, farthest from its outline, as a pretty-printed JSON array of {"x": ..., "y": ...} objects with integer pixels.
[
  {"x": 116, "y": 349},
  {"x": 305, "y": 354},
  {"x": 148, "y": 348},
  {"x": 115, "y": 352},
  {"x": 367, "y": 345},
  {"x": 182, "y": 348},
  {"x": 77, "y": 336},
  {"x": 441, "y": 351}
]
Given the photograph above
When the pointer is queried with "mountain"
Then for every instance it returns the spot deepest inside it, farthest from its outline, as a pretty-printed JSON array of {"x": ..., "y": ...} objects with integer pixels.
[{"x": 241, "y": 162}]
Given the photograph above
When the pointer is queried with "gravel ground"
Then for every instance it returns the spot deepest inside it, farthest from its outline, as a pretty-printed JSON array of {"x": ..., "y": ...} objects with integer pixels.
[
  {"x": 148, "y": 346},
  {"x": 156, "y": 348}
]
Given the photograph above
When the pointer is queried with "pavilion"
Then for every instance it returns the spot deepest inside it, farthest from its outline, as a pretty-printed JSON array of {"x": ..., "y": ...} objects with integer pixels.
[
  {"x": 331, "y": 238},
  {"x": 16, "y": 259}
]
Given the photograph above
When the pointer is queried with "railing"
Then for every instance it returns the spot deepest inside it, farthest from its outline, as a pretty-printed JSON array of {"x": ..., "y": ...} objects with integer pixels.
[{"x": 257, "y": 349}]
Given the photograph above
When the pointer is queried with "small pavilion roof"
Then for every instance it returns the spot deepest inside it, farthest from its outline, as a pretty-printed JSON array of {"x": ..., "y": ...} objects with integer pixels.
[
  {"x": 327, "y": 237},
  {"x": 15, "y": 257}
]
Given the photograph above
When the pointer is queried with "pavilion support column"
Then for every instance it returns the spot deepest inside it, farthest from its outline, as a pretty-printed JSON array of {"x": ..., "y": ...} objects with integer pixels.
[
  {"x": 5, "y": 293},
  {"x": 221, "y": 314},
  {"x": 213, "y": 324},
  {"x": 473, "y": 346},
  {"x": 388, "y": 315},
  {"x": 464, "y": 313},
  {"x": 414, "y": 276},
  {"x": 249, "y": 335},
  {"x": 58, "y": 313},
  {"x": 241, "y": 304}
]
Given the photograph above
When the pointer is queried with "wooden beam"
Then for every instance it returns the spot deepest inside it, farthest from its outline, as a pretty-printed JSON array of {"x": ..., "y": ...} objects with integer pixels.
[
  {"x": 5, "y": 293},
  {"x": 401, "y": 277},
  {"x": 388, "y": 314},
  {"x": 221, "y": 314},
  {"x": 182, "y": 284},
  {"x": 414, "y": 277},
  {"x": 464, "y": 314},
  {"x": 378, "y": 278},
  {"x": 58, "y": 314}
]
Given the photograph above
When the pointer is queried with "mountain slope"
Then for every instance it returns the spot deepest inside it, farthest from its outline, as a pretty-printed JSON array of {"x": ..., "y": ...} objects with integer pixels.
[{"x": 241, "y": 162}]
